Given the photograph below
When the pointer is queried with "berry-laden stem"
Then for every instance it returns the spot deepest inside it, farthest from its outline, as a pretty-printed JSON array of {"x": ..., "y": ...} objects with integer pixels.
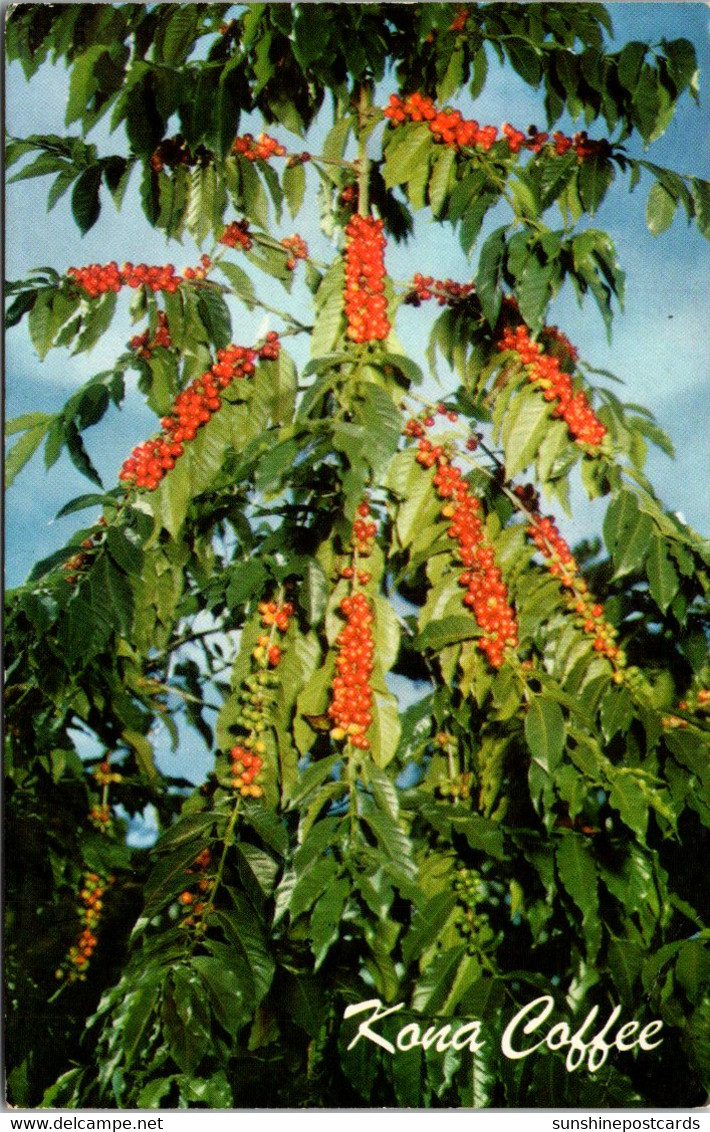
[
  {"x": 450, "y": 128},
  {"x": 365, "y": 300},
  {"x": 486, "y": 593},
  {"x": 562, "y": 565},
  {"x": 351, "y": 706},
  {"x": 545, "y": 373},
  {"x": 246, "y": 758},
  {"x": 91, "y": 894},
  {"x": 192, "y": 408}
]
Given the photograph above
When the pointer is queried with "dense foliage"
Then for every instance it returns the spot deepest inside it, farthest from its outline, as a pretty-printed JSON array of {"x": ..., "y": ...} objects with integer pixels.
[{"x": 456, "y": 766}]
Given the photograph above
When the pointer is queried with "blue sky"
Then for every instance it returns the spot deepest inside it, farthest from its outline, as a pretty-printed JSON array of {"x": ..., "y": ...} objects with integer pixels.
[{"x": 660, "y": 344}]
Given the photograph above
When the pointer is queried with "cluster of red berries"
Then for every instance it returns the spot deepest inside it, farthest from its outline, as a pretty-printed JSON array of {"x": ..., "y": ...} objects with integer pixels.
[
  {"x": 144, "y": 345},
  {"x": 365, "y": 301},
  {"x": 246, "y": 757},
  {"x": 545, "y": 372},
  {"x": 246, "y": 767},
  {"x": 449, "y": 127},
  {"x": 104, "y": 775},
  {"x": 261, "y": 148},
  {"x": 563, "y": 565},
  {"x": 274, "y": 614},
  {"x": 697, "y": 701},
  {"x": 198, "y": 272},
  {"x": 101, "y": 818},
  {"x": 237, "y": 233},
  {"x": 445, "y": 291},
  {"x": 78, "y": 563},
  {"x": 296, "y": 247},
  {"x": 91, "y": 895},
  {"x": 486, "y": 593},
  {"x": 364, "y": 531},
  {"x": 266, "y": 650},
  {"x": 96, "y": 279},
  {"x": 460, "y": 20},
  {"x": 192, "y": 408},
  {"x": 194, "y": 902},
  {"x": 351, "y": 706}
]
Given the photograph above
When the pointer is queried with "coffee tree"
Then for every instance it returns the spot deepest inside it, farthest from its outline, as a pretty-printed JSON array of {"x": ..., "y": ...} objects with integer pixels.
[{"x": 458, "y": 768}]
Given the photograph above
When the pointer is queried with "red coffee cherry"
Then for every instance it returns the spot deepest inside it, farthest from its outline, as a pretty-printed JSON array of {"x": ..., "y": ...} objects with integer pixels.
[
  {"x": 192, "y": 408},
  {"x": 297, "y": 248},
  {"x": 237, "y": 233},
  {"x": 545, "y": 372},
  {"x": 562, "y": 565},
  {"x": 93, "y": 888},
  {"x": 365, "y": 301},
  {"x": 351, "y": 706},
  {"x": 262, "y": 148},
  {"x": 486, "y": 593},
  {"x": 449, "y": 127}
]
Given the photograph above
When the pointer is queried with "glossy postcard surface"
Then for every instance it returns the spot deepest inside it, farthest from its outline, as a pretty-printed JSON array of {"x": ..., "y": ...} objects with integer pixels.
[{"x": 357, "y": 561}]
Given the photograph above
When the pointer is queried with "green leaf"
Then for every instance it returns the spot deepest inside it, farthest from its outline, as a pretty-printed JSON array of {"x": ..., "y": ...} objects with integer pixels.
[
  {"x": 191, "y": 827},
  {"x": 534, "y": 291},
  {"x": 407, "y": 150},
  {"x": 489, "y": 275},
  {"x": 310, "y": 885},
  {"x": 627, "y": 533},
  {"x": 524, "y": 59},
  {"x": 441, "y": 180},
  {"x": 83, "y": 82},
  {"x": 244, "y": 931},
  {"x": 596, "y": 174},
  {"x": 393, "y": 842},
  {"x": 85, "y": 203},
  {"x": 682, "y": 64},
  {"x": 578, "y": 874},
  {"x": 294, "y": 186},
  {"x": 240, "y": 282},
  {"x": 212, "y": 1092},
  {"x": 545, "y": 731},
  {"x": 434, "y": 986},
  {"x": 126, "y": 553},
  {"x": 617, "y": 712},
  {"x": 383, "y": 425},
  {"x": 95, "y": 321},
  {"x": 660, "y": 209},
  {"x": 186, "y": 1020},
  {"x": 214, "y": 313},
  {"x": 525, "y": 425},
  {"x": 41, "y": 323},
  {"x": 428, "y": 925},
  {"x": 701, "y": 200},
  {"x": 43, "y": 165},
  {"x": 314, "y": 592},
  {"x": 385, "y": 728},
  {"x": 446, "y": 631},
  {"x": 630, "y": 800},
  {"x": 180, "y": 34},
  {"x": 228, "y": 994},
  {"x": 34, "y": 427},
  {"x": 662, "y": 576},
  {"x": 324, "y": 927}
]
